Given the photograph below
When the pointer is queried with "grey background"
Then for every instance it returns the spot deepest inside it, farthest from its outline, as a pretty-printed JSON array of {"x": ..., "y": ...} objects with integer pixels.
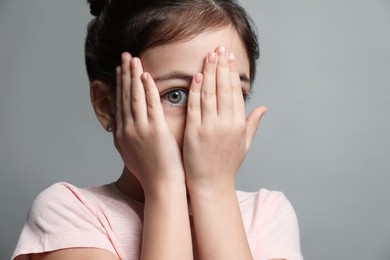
[{"x": 324, "y": 75}]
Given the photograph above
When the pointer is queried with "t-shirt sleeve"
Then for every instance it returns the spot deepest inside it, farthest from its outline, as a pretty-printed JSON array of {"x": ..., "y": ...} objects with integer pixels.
[
  {"x": 278, "y": 232},
  {"x": 61, "y": 217}
]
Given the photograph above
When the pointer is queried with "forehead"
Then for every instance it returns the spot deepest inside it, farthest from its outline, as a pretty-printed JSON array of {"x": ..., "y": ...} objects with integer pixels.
[{"x": 188, "y": 56}]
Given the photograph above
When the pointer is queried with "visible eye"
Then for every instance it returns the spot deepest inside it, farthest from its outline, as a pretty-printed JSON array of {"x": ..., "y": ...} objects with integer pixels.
[{"x": 176, "y": 96}]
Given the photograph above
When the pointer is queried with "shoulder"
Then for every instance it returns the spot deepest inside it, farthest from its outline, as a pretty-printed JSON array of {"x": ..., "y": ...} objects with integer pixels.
[
  {"x": 271, "y": 223},
  {"x": 63, "y": 194},
  {"x": 64, "y": 216},
  {"x": 59, "y": 197},
  {"x": 61, "y": 207},
  {"x": 263, "y": 200},
  {"x": 64, "y": 202},
  {"x": 53, "y": 196},
  {"x": 267, "y": 207},
  {"x": 57, "y": 191},
  {"x": 261, "y": 195}
]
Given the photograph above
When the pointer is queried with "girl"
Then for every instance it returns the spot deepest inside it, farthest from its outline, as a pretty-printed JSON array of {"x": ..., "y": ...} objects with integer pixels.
[{"x": 168, "y": 79}]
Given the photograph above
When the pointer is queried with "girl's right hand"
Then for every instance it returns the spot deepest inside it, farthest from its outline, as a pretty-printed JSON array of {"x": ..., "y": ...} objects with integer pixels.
[{"x": 143, "y": 138}]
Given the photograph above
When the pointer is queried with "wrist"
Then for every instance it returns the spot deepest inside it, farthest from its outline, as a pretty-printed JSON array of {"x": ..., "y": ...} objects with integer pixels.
[
  {"x": 165, "y": 188},
  {"x": 210, "y": 190}
]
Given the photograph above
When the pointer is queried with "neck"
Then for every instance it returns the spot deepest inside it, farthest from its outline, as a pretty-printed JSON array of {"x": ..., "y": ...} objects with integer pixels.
[{"x": 129, "y": 185}]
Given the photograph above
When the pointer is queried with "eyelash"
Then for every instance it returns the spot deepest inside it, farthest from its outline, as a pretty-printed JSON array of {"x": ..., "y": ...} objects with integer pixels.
[
  {"x": 245, "y": 95},
  {"x": 183, "y": 92}
]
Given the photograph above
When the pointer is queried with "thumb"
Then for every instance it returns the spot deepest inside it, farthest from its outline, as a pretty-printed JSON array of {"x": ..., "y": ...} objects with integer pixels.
[{"x": 252, "y": 123}]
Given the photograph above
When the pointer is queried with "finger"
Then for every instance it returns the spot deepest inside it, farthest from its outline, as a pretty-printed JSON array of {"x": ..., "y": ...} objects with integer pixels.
[
  {"x": 224, "y": 84},
  {"x": 208, "y": 90},
  {"x": 125, "y": 94},
  {"x": 155, "y": 112},
  {"x": 194, "y": 106},
  {"x": 118, "y": 99},
  {"x": 138, "y": 102},
  {"x": 252, "y": 123},
  {"x": 238, "y": 99}
]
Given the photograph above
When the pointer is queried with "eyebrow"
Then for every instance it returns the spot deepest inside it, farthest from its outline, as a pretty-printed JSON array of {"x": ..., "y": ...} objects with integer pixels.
[{"x": 188, "y": 77}]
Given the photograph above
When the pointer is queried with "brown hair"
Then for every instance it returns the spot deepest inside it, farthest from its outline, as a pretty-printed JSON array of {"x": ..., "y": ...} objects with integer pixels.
[{"x": 136, "y": 25}]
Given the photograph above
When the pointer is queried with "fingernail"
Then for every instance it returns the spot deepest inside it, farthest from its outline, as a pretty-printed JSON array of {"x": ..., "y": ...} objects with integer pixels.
[
  {"x": 212, "y": 58},
  {"x": 198, "y": 78},
  {"x": 221, "y": 50},
  {"x": 118, "y": 69},
  {"x": 125, "y": 56},
  {"x": 232, "y": 57},
  {"x": 144, "y": 76},
  {"x": 134, "y": 62}
]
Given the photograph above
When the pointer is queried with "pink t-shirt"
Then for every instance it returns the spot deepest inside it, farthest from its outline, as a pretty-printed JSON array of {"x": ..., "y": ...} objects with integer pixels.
[{"x": 65, "y": 216}]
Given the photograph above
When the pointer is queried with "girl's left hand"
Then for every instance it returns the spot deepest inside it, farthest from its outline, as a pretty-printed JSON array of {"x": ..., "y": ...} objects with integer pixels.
[{"x": 217, "y": 135}]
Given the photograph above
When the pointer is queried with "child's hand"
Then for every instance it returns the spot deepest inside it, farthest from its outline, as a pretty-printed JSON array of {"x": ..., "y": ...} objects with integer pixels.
[
  {"x": 217, "y": 135},
  {"x": 146, "y": 144}
]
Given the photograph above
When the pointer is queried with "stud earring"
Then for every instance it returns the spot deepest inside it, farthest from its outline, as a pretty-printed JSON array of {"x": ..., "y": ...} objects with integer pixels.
[{"x": 109, "y": 128}]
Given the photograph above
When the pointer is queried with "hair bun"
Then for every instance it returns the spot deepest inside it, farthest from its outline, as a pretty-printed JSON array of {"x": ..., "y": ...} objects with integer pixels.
[{"x": 96, "y": 7}]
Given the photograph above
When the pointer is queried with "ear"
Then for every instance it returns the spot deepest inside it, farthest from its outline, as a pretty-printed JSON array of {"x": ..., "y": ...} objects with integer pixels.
[{"x": 103, "y": 102}]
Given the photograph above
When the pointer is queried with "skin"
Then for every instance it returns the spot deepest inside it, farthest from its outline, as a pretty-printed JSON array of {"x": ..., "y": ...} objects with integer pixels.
[{"x": 182, "y": 154}]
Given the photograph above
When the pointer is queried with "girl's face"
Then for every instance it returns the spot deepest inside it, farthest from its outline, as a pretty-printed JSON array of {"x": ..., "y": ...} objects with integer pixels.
[{"x": 173, "y": 65}]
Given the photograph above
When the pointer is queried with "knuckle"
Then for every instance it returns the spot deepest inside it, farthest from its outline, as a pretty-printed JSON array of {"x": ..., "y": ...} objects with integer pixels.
[
  {"x": 135, "y": 98},
  {"x": 209, "y": 93},
  {"x": 151, "y": 105},
  {"x": 194, "y": 107},
  {"x": 125, "y": 97},
  {"x": 118, "y": 105}
]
